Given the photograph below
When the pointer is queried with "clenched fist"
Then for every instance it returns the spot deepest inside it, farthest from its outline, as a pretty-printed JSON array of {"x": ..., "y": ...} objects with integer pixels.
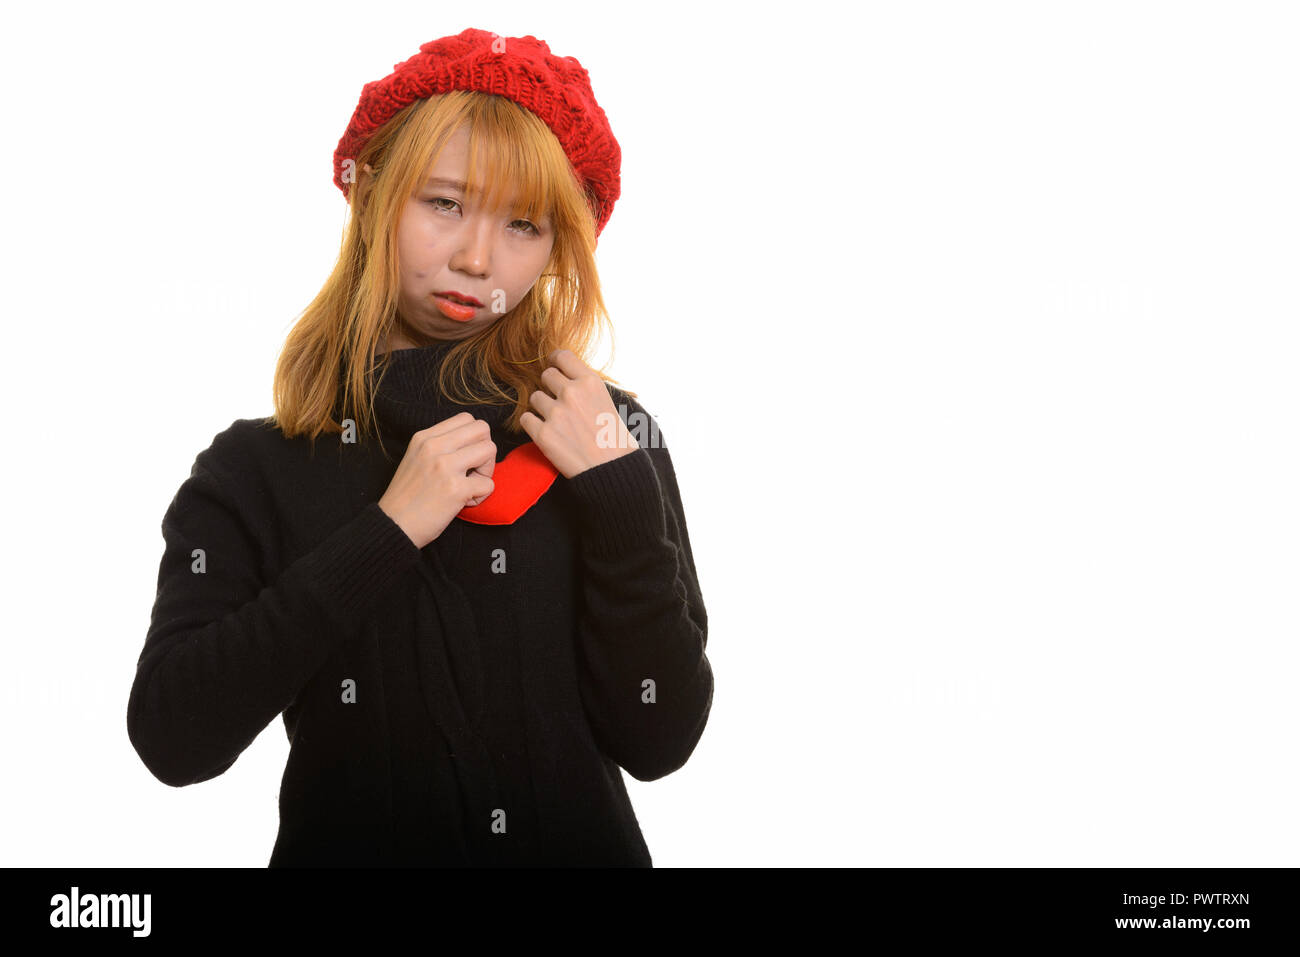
[{"x": 447, "y": 467}]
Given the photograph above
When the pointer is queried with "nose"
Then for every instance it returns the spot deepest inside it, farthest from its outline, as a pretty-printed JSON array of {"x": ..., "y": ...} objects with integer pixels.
[{"x": 473, "y": 252}]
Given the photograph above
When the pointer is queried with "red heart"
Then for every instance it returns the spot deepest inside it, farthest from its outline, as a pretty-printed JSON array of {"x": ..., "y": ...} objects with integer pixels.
[{"x": 520, "y": 479}]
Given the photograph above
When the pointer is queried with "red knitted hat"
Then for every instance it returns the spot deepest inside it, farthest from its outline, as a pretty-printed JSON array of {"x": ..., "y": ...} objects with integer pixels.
[{"x": 522, "y": 69}]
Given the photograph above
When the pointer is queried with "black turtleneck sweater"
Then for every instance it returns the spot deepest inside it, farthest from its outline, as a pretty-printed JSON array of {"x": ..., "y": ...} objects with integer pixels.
[{"x": 469, "y": 703}]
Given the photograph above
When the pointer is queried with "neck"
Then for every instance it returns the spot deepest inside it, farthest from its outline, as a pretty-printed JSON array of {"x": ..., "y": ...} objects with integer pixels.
[
  {"x": 407, "y": 399},
  {"x": 403, "y": 336}
]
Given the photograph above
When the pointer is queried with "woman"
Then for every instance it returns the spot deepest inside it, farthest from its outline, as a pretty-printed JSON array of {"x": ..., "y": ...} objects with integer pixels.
[{"x": 466, "y": 644}]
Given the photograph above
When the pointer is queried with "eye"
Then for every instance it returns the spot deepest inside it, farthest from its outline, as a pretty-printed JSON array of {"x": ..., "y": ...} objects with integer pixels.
[{"x": 526, "y": 227}]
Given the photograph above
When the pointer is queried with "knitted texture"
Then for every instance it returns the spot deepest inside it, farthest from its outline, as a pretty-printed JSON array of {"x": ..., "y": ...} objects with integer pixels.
[
  {"x": 522, "y": 69},
  {"x": 496, "y": 676}
]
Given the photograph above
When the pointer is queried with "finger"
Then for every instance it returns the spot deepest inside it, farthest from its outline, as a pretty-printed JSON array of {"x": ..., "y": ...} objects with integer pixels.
[
  {"x": 447, "y": 425},
  {"x": 568, "y": 363},
  {"x": 480, "y": 488},
  {"x": 555, "y": 380},
  {"x": 542, "y": 403},
  {"x": 475, "y": 458},
  {"x": 468, "y": 432},
  {"x": 530, "y": 423}
]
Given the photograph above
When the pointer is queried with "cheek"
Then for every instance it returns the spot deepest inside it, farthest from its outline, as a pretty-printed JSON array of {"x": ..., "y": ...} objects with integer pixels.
[
  {"x": 406, "y": 240},
  {"x": 531, "y": 274},
  {"x": 418, "y": 233},
  {"x": 418, "y": 249},
  {"x": 543, "y": 257}
]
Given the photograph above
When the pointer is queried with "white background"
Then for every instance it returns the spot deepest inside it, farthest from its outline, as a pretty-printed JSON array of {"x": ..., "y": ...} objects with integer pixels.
[{"x": 971, "y": 329}]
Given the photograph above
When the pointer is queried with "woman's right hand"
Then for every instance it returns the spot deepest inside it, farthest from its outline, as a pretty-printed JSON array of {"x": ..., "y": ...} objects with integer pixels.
[{"x": 446, "y": 467}]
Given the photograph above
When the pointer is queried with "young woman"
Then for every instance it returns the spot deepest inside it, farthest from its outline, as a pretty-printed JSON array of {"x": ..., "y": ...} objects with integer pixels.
[{"x": 456, "y": 558}]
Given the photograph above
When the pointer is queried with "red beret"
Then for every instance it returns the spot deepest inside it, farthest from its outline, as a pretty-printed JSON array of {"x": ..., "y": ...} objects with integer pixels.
[{"x": 522, "y": 69}]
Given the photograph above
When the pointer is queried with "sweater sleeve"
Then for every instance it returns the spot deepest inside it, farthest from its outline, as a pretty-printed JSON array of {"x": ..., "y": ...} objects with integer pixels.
[
  {"x": 226, "y": 651},
  {"x": 646, "y": 682}
]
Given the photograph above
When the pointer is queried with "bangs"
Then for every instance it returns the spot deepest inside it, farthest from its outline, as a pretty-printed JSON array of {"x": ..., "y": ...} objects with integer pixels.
[{"x": 511, "y": 151}]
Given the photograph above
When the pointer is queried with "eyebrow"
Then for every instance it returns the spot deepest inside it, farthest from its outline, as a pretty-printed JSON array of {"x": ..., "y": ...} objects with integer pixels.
[
  {"x": 444, "y": 181},
  {"x": 456, "y": 184}
]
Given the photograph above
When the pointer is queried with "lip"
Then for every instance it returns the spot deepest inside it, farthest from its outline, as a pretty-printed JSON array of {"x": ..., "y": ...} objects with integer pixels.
[
  {"x": 453, "y": 294},
  {"x": 456, "y": 311}
]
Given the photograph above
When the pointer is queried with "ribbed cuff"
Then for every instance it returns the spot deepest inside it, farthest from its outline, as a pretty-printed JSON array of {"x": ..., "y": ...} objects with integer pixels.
[
  {"x": 359, "y": 562},
  {"x": 620, "y": 503}
]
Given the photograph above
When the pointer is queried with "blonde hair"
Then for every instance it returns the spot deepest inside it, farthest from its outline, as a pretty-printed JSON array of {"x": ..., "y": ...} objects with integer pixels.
[{"x": 339, "y": 331}]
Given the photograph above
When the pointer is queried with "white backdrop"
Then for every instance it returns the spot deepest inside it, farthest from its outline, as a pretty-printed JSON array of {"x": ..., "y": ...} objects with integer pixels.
[{"x": 971, "y": 328}]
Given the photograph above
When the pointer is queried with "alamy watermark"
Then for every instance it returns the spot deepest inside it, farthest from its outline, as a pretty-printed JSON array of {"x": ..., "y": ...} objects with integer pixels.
[
  {"x": 101, "y": 910},
  {"x": 641, "y": 429}
]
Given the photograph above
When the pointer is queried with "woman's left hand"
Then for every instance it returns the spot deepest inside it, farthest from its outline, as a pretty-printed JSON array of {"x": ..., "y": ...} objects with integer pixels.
[{"x": 577, "y": 427}]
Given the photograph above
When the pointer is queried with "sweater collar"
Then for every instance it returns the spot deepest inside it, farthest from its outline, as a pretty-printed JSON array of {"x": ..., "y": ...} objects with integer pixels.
[{"x": 407, "y": 398}]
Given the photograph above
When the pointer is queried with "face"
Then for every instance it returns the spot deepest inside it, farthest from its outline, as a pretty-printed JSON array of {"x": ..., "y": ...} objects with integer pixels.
[{"x": 448, "y": 243}]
